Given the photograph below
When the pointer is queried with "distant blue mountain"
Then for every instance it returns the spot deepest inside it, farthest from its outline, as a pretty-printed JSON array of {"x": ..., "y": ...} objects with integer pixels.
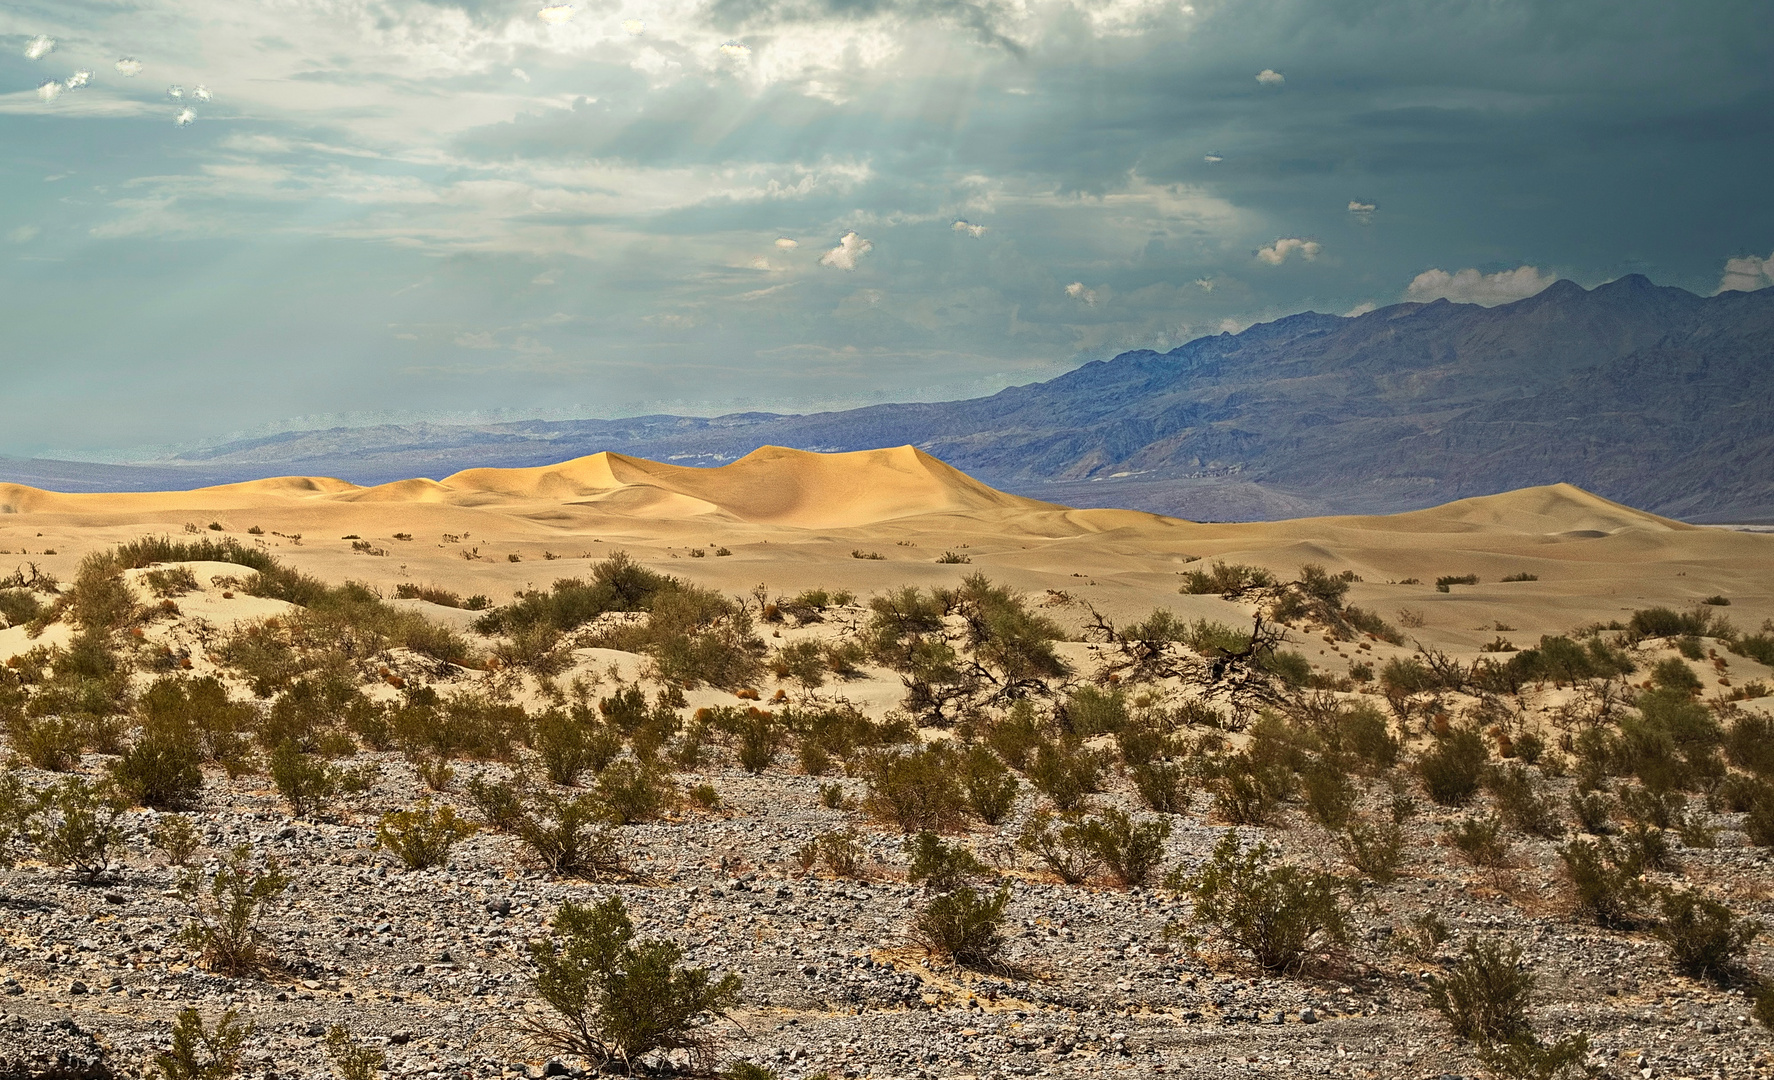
[{"x": 1648, "y": 395}]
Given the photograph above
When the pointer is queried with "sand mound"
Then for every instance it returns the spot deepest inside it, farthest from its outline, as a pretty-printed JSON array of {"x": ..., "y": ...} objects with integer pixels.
[{"x": 1553, "y": 510}]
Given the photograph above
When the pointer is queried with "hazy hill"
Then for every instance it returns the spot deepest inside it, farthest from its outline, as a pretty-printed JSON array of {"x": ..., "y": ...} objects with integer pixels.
[{"x": 1650, "y": 396}]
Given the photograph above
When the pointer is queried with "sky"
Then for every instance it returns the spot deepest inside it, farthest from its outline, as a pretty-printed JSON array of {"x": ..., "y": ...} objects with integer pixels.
[{"x": 219, "y": 219}]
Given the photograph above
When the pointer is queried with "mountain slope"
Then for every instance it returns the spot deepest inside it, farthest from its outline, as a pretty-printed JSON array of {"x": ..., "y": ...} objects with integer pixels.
[{"x": 1650, "y": 396}]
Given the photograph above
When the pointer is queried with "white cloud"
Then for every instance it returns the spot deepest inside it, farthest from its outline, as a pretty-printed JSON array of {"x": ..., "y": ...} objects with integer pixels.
[
  {"x": 1276, "y": 254},
  {"x": 520, "y": 73},
  {"x": 24, "y": 234},
  {"x": 202, "y": 93},
  {"x": 50, "y": 90},
  {"x": 851, "y": 248},
  {"x": 1077, "y": 291},
  {"x": 478, "y": 339},
  {"x": 79, "y": 79},
  {"x": 1269, "y": 77},
  {"x": 129, "y": 67},
  {"x": 735, "y": 49},
  {"x": 177, "y": 93},
  {"x": 39, "y": 47},
  {"x": 556, "y": 14},
  {"x": 1469, "y": 286},
  {"x": 1213, "y": 159},
  {"x": 185, "y": 117},
  {"x": 1747, "y": 274},
  {"x": 786, "y": 244},
  {"x": 1360, "y": 309},
  {"x": 634, "y": 27},
  {"x": 975, "y": 231}
]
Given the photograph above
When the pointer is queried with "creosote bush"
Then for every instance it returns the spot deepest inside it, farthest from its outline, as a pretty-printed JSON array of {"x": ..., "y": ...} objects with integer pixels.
[
  {"x": 423, "y": 836},
  {"x": 939, "y": 866},
  {"x": 1485, "y": 997},
  {"x": 916, "y": 790},
  {"x": 226, "y": 911},
  {"x": 614, "y": 997},
  {"x": 569, "y": 835},
  {"x": 78, "y": 825},
  {"x": 1452, "y": 769},
  {"x": 1281, "y": 916},
  {"x": 352, "y": 1059},
  {"x": 199, "y": 1054},
  {"x": 177, "y": 838},
  {"x": 1705, "y": 938},
  {"x": 964, "y": 925}
]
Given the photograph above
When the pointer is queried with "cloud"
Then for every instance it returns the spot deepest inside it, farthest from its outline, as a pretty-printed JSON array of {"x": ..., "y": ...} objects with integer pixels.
[
  {"x": 851, "y": 248},
  {"x": 1276, "y": 254},
  {"x": 975, "y": 231},
  {"x": 1213, "y": 159},
  {"x": 556, "y": 14},
  {"x": 1269, "y": 77},
  {"x": 24, "y": 234},
  {"x": 39, "y": 47},
  {"x": 1360, "y": 309},
  {"x": 202, "y": 93},
  {"x": 1205, "y": 284},
  {"x": 786, "y": 244},
  {"x": 1746, "y": 274},
  {"x": 79, "y": 79},
  {"x": 1077, "y": 291},
  {"x": 634, "y": 27},
  {"x": 50, "y": 90},
  {"x": 478, "y": 339},
  {"x": 1470, "y": 286},
  {"x": 185, "y": 117},
  {"x": 1358, "y": 207},
  {"x": 129, "y": 67},
  {"x": 735, "y": 49},
  {"x": 177, "y": 93}
]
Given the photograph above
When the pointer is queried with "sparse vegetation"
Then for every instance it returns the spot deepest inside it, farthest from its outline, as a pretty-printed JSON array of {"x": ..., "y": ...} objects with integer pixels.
[{"x": 1280, "y": 915}]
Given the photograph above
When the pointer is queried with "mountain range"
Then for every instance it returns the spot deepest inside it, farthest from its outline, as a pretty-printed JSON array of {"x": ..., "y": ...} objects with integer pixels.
[{"x": 1647, "y": 395}]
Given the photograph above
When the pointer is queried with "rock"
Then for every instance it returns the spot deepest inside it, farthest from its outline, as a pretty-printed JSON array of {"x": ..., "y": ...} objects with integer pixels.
[{"x": 1308, "y": 1015}]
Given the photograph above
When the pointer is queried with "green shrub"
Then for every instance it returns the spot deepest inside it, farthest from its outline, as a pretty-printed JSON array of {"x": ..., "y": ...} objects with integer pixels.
[
  {"x": 1705, "y": 939},
  {"x": 617, "y": 583},
  {"x": 1244, "y": 794},
  {"x": 1479, "y": 841},
  {"x": 1226, "y": 579},
  {"x": 1090, "y": 711},
  {"x": 197, "y": 1054},
  {"x": 563, "y": 745},
  {"x": 570, "y": 836},
  {"x": 159, "y": 772},
  {"x": 1601, "y": 888},
  {"x": 1452, "y": 769},
  {"x": 1485, "y": 997},
  {"x": 1016, "y": 736},
  {"x": 1593, "y": 811},
  {"x": 1065, "y": 774},
  {"x": 51, "y": 743},
  {"x": 226, "y": 912},
  {"x": 964, "y": 926},
  {"x": 1132, "y": 852},
  {"x": 1675, "y": 674},
  {"x": 632, "y": 793},
  {"x": 1644, "y": 848},
  {"x": 1523, "y": 802},
  {"x": 991, "y": 789},
  {"x": 77, "y": 825},
  {"x": 831, "y": 796},
  {"x": 1330, "y": 794},
  {"x": 759, "y": 736},
  {"x": 499, "y": 803},
  {"x": 916, "y": 791},
  {"x": 1749, "y": 743},
  {"x": 305, "y": 781},
  {"x": 176, "y": 838},
  {"x": 1442, "y": 583},
  {"x": 1163, "y": 786},
  {"x": 939, "y": 866},
  {"x": 423, "y": 836},
  {"x": 353, "y": 1060},
  {"x": 615, "y": 997},
  {"x": 1374, "y": 849},
  {"x": 1281, "y": 915},
  {"x": 1057, "y": 841},
  {"x": 838, "y": 852}
]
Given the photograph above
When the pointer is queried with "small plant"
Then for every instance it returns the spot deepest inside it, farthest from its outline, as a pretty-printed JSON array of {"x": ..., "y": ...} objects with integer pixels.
[
  {"x": 953, "y": 557},
  {"x": 705, "y": 796},
  {"x": 499, "y": 803},
  {"x": 1451, "y": 771},
  {"x": 423, "y": 836},
  {"x": 1602, "y": 888},
  {"x": 632, "y": 793},
  {"x": 1281, "y": 915},
  {"x": 1485, "y": 997},
  {"x": 991, "y": 789},
  {"x": 838, "y": 852},
  {"x": 161, "y": 772},
  {"x": 1442, "y": 583},
  {"x": 872, "y": 556},
  {"x": 1065, "y": 774},
  {"x": 1523, "y": 576},
  {"x": 1131, "y": 852},
  {"x": 570, "y": 835},
  {"x": 1425, "y": 935},
  {"x": 916, "y": 791},
  {"x": 305, "y": 781},
  {"x": 1479, "y": 841},
  {"x": 964, "y": 926},
  {"x": 225, "y": 912},
  {"x": 352, "y": 1059},
  {"x": 831, "y": 796},
  {"x": 1705, "y": 939},
  {"x": 1163, "y": 786},
  {"x": 1592, "y": 809},
  {"x": 1374, "y": 849},
  {"x": 78, "y": 825},
  {"x": 939, "y": 866},
  {"x": 1058, "y": 842},
  {"x": 175, "y": 836},
  {"x": 1522, "y": 801},
  {"x": 614, "y": 997},
  {"x": 197, "y": 1054}
]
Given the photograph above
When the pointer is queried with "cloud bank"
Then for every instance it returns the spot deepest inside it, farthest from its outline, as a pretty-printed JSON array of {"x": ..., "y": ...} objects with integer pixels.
[{"x": 1471, "y": 286}]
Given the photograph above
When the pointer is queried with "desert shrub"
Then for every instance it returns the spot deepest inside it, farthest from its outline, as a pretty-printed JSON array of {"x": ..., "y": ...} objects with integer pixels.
[
  {"x": 431, "y": 594},
  {"x": 1452, "y": 769},
  {"x": 1361, "y": 731},
  {"x": 831, "y": 796},
  {"x": 1664, "y": 622},
  {"x": 19, "y": 606},
  {"x": 1485, "y": 997},
  {"x": 159, "y": 772},
  {"x": 632, "y": 792},
  {"x": 1670, "y": 744},
  {"x": 1749, "y": 743},
  {"x": 1226, "y": 579},
  {"x": 565, "y": 747},
  {"x": 802, "y": 661},
  {"x": 917, "y": 790},
  {"x": 1280, "y": 915},
  {"x": 615, "y": 997},
  {"x": 77, "y": 824},
  {"x": 1090, "y": 711},
  {"x": 1291, "y": 668},
  {"x": 1162, "y": 785},
  {"x": 1330, "y": 794},
  {"x": 991, "y": 789},
  {"x": 1012, "y": 643},
  {"x": 1245, "y": 793},
  {"x": 540, "y": 648},
  {"x": 694, "y": 636},
  {"x": 758, "y": 735},
  {"x": 197, "y": 1054},
  {"x": 569, "y": 836},
  {"x": 1479, "y": 841},
  {"x": 352, "y": 1059},
  {"x": 1528, "y": 1058},
  {"x": 964, "y": 926},
  {"x": 1406, "y": 675},
  {"x": 1057, "y": 842},
  {"x": 423, "y": 836},
  {"x": 1675, "y": 674},
  {"x": 226, "y": 911},
  {"x": 1592, "y": 811},
  {"x": 939, "y": 866},
  {"x": 1132, "y": 852},
  {"x": 1704, "y": 937},
  {"x": 1601, "y": 888},
  {"x": 1523, "y": 802},
  {"x": 1016, "y": 735},
  {"x": 1065, "y": 773},
  {"x": 1442, "y": 583},
  {"x": 1758, "y": 647},
  {"x": 51, "y": 743},
  {"x": 838, "y": 852},
  {"x": 1374, "y": 849},
  {"x": 199, "y": 712},
  {"x": 617, "y": 583},
  {"x": 953, "y": 557},
  {"x": 305, "y": 781}
]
